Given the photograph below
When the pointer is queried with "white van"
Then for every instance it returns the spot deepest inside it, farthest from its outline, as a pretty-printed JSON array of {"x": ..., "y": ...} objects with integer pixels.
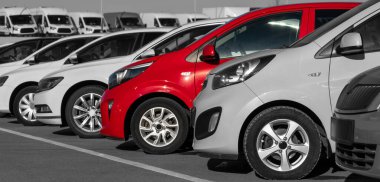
[
  {"x": 189, "y": 18},
  {"x": 53, "y": 21},
  {"x": 89, "y": 22},
  {"x": 159, "y": 20},
  {"x": 17, "y": 21},
  {"x": 123, "y": 21}
]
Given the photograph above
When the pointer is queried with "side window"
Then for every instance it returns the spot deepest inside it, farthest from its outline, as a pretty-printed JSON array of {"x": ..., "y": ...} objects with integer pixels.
[
  {"x": 270, "y": 32},
  {"x": 38, "y": 19},
  {"x": 156, "y": 23},
  {"x": 324, "y": 16},
  {"x": 60, "y": 50},
  {"x": 370, "y": 33},
  {"x": 81, "y": 25},
  {"x": 46, "y": 42},
  {"x": 18, "y": 52},
  {"x": 109, "y": 48},
  {"x": 149, "y": 37},
  {"x": 8, "y": 24},
  {"x": 182, "y": 40},
  {"x": 45, "y": 22},
  {"x": 2, "y": 21}
]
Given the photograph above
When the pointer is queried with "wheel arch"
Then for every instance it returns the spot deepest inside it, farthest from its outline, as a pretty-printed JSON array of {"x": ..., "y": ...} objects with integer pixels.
[
  {"x": 17, "y": 90},
  {"x": 133, "y": 107},
  {"x": 289, "y": 103},
  {"x": 74, "y": 88}
]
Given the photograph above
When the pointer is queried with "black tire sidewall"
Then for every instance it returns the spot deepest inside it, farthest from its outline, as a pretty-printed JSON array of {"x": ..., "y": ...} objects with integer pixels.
[
  {"x": 177, "y": 110},
  {"x": 70, "y": 104},
  {"x": 15, "y": 106},
  {"x": 282, "y": 112}
]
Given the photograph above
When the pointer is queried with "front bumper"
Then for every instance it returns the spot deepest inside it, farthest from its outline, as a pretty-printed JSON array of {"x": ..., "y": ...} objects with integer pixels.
[
  {"x": 236, "y": 102},
  {"x": 53, "y": 100},
  {"x": 5, "y": 93},
  {"x": 114, "y": 107},
  {"x": 358, "y": 142}
]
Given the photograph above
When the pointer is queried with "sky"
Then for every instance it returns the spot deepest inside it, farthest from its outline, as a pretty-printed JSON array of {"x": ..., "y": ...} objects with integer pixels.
[{"x": 167, "y": 6}]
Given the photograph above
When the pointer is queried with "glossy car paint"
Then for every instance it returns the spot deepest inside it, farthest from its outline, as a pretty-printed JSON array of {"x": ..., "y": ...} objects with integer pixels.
[
  {"x": 175, "y": 76},
  {"x": 294, "y": 77},
  {"x": 98, "y": 72}
]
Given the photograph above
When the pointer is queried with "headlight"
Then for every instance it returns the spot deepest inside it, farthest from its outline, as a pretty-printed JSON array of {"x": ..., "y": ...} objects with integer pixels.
[
  {"x": 88, "y": 29},
  {"x": 239, "y": 72},
  {"x": 16, "y": 28},
  {"x": 3, "y": 79},
  {"x": 49, "y": 83},
  {"x": 124, "y": 74},
  {"x": 53, "y": 28}
]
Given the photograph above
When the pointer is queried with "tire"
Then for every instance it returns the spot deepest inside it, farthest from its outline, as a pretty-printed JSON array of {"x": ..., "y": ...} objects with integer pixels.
[
  {"x": 163, "y": 136},
  {"x": 279, "y": 119},
  {"x": 88, "y": 112},
  {"x": 23, "y": 106},
  {"x": 2, "y": 115}
]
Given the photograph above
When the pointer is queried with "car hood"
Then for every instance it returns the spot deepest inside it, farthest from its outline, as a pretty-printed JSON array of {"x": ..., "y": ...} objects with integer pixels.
[{"x": 245, "y": 58}]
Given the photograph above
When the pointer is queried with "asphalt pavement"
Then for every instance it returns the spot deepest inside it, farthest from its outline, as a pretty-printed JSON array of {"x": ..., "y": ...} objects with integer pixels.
[{"x": 49, "y": 153}]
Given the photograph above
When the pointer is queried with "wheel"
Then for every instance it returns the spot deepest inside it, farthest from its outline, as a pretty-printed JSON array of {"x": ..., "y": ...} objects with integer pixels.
[
  {"x": 282, "y": 143},
  {"x": 82, "y": 112},
  {"x": 160, "y": 126},
  {"x": 23, "y": 106}
]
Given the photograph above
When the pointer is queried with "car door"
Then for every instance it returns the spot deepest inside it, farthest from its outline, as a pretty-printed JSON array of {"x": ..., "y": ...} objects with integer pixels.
[
  {"x": 277, "y": 30},
  {"x": 344, "y": 68}
]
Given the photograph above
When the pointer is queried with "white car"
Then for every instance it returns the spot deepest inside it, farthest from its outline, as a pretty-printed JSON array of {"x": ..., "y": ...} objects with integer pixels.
[
  {"x": 17, "y": 86},
  {"x": 275, "y": 107},
  {"x": 88, "y": 22},
  {"x": 73, "y": 94}
]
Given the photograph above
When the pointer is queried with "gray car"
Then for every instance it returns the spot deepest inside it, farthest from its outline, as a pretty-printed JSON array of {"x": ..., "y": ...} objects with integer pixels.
[{"x": 355, "y": 126}]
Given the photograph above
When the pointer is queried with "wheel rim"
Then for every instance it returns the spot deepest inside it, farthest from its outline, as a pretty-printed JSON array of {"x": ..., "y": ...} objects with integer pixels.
[
  {"x": 283, "y": 145},
  {"x": 86, "y": 113},
  {"x": 159, "y": 127},
  {"x": 26, "y": 107}
]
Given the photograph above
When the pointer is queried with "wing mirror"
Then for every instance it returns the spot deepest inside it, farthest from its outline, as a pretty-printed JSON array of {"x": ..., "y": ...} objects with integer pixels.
[
  {"x": 209, "y": 54},
  {"x": 148, "y": 53},
  {"x": 32, "y": 61},
  {"x": 73, "y": 59},
  {"x": 351, "y": 43}
]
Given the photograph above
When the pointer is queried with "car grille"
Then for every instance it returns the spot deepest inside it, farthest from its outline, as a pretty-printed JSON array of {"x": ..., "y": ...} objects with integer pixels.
[
  {"x": 64, "y": 30},
  {"x": 359, "y": 98},
  {"x": 97, "y": 31},
  {"x": 356, "y": 156},
  {"x": 27, "y": 30}
]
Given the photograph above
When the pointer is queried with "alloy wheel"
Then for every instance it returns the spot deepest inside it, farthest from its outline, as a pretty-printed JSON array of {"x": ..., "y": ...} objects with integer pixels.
[
  {"x": 159, "y": 127},
  {"x": 26, "y": 107},
  {"x": 86, "y": 113},
  {"x": 283, "y": 145}
]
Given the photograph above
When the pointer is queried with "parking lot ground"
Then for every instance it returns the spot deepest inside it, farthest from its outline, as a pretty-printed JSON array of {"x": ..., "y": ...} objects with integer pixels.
[{"x": 48, "y": 153}]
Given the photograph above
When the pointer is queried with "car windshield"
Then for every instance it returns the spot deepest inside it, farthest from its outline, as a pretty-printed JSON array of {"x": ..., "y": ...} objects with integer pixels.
[
  {"x": 332, "y": 24},
  {"x": 198, "y": 19},
  {"x": 59, "y": 19},
  {"x": 92, "y": 21},
  {"x": 168, "y": 22},
  {"x": 21, "y": 19},
  {"x": 130, "y": 21}
]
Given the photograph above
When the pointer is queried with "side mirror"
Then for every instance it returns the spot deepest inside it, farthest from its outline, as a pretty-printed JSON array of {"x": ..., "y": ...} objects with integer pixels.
[
  {"x": 351, "y": 43},
  {"x": 148, "y": 53},
  {"x": 32, "y": 61},
  {"x": 209, "y": 54},
  {"x": 73, "y": 59}
]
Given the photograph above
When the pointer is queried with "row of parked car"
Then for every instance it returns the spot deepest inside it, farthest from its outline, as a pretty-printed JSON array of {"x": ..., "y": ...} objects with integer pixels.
[
  {"x": 59, "y": 22},
  {"x": 261, "y": 87}
]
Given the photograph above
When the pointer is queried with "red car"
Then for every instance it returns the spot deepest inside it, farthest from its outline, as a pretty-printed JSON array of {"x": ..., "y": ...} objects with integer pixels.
[{"x": 151, "y": 99}]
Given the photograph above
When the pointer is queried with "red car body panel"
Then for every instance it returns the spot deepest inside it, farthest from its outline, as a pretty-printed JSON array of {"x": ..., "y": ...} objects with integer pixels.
[{"x": 173, "y": 76}]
